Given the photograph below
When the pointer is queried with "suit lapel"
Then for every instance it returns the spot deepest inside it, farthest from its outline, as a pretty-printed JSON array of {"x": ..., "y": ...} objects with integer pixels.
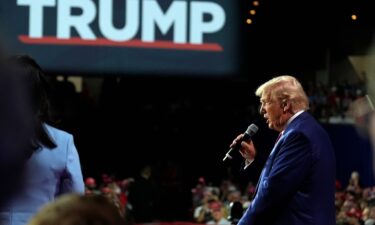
[{"x": 276, "y": 148}]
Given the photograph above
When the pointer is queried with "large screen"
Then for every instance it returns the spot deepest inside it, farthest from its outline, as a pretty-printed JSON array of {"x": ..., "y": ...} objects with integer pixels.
[{"x": 122, "y": 37}]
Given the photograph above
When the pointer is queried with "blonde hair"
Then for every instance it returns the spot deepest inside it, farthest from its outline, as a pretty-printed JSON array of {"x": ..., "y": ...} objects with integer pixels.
[{"x": 285, "y": 88}]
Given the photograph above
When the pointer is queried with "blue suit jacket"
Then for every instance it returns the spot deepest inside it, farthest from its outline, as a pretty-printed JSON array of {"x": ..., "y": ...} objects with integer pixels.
[
  {"x": 48, "y": 174},
  {"x": 297, "y": 183}
]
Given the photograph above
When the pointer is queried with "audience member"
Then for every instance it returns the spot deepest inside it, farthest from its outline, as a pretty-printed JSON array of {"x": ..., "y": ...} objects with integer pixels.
[
  {"x": 72, "y": 209},
  {"x": 143, "y": 196},
  {"x": 51, "y": 162},
  {"x": 219, "y": 214}
]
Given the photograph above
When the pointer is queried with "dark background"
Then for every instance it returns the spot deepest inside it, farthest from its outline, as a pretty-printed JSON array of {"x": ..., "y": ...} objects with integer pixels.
[{"x": 183, "y": 125}]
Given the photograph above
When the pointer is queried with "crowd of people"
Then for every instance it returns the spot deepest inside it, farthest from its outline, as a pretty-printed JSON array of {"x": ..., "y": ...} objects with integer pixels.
[
  {"x": 225, "y": 203},
  {"x": 334, "y": 103}
]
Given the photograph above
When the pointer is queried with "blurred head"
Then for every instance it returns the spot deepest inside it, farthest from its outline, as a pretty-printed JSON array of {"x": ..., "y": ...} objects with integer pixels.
[
  {"x": 146, "y": 172},
  {"x": 125, "y": 184},
  {"x": 236, "y": 210},
  {"x": 355, "y": 175},
  {"x": 115, "y": 188},
  {"x": 90, "y": 182},
  {"x": 217, "y": 210},
  {"x": 73, "y": 209},
  {"x": 234, "y": 196},
  {"x": 106, "y": 190},
  {"x": 201, "y": 181},
  {"x": 280, "y": 98},
  {"x": 31, "y": 75},
  {"x": 30, "y": 87}
]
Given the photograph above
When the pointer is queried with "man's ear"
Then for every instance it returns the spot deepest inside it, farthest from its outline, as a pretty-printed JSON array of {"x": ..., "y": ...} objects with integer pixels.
[{"x": 286, "y": 105}]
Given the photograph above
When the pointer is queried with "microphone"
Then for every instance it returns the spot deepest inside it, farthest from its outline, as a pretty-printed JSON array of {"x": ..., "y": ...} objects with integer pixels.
[
  {"x": 250, "y": 131},
  {"x": 236, "y": 211}
]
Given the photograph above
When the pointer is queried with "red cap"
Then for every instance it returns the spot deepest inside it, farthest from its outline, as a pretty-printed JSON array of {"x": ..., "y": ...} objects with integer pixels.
[
  {"x": 201, "y": 180},
  {"x": 215, "y": 206},
  {"x": 90, "y": 181},
  {"x": 106, "y": 190}
]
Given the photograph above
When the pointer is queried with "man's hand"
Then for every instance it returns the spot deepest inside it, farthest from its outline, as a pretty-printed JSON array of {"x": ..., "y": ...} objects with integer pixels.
[{"x": 247, "y": 149}]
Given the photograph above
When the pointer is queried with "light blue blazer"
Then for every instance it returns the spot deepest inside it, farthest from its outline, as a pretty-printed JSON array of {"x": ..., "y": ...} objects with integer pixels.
[{"x": 48, "y": 174}]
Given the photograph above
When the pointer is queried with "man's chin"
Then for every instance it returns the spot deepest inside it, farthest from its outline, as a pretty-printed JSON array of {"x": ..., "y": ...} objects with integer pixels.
[{"x": 272, "y": 126}]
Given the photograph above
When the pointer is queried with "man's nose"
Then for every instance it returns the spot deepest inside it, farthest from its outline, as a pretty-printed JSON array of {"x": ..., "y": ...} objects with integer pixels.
[{"x": 261, "y": 110}]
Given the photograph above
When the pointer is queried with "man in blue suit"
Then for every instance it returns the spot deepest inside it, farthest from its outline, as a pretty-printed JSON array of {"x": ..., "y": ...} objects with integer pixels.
[{"x": 296, "y": 186}]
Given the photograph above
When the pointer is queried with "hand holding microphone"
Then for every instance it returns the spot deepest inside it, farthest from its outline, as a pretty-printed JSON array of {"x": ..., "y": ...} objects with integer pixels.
[
  {"x": 247, "y": 149},
  {"x": 243, "y": 144}
]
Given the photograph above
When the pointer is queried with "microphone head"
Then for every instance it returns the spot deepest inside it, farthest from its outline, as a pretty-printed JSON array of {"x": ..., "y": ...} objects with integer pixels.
[{"x": 252, "y": 129}]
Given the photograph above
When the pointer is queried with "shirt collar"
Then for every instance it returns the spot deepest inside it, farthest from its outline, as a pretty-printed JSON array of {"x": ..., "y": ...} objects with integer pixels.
[{"x": 292, "y": 118}]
